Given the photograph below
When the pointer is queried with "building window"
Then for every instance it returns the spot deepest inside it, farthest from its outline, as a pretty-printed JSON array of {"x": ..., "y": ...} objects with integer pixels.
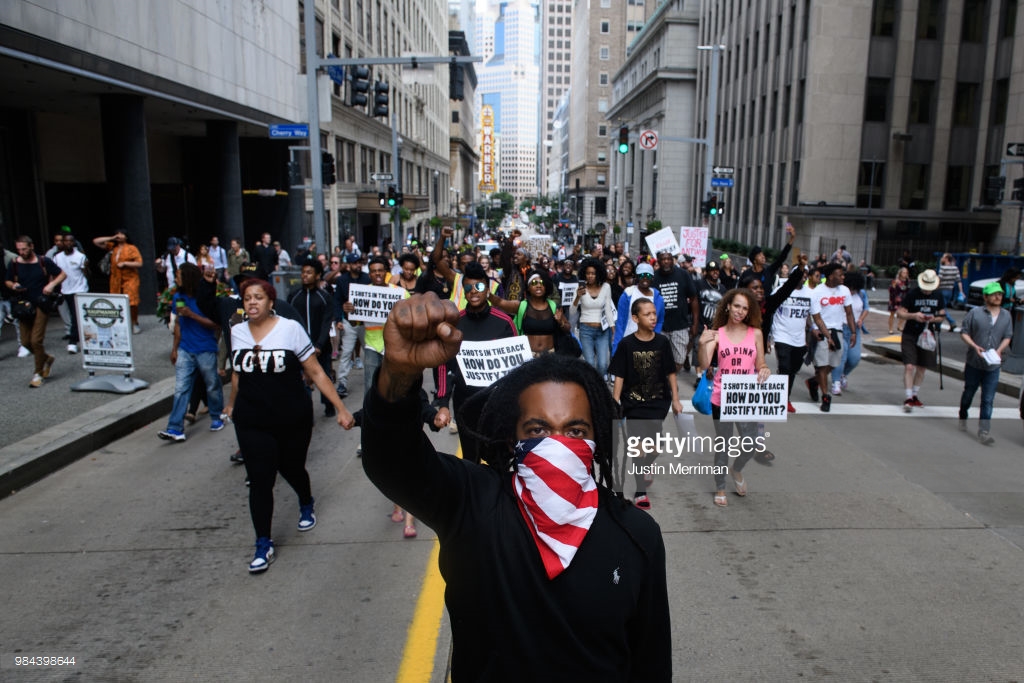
[
  {"x": 602, "y": 105},
  {"x": 914, "y": 190},
  {"x": 455, "y": 116},
  {"x": 606, "y": 27},
  {"x": 602, "y": 131},
  {"x": 965, "y": 105},
  {"x": 958, "y": 187},
  {"x": 974, "y": 17},
  {"x": 928, "y": 13},
  {"x": 883, "y": 18},
  {"x": 876, "y": 100},
  {"x": 602, "y": 78},
  {"x": 600, "y": 179},
  {"x": 602, "y": 157},
  {"x": 605, "y": 4},
  {"x": 1000, "y": 101},
  {"x": 870, "y": 181},
  {"x": 921, "y": 98},
  {"x": 604, "y": 53}
]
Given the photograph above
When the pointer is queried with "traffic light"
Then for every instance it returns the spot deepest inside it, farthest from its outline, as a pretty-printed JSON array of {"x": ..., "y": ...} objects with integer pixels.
[
  {"x": 294, "y": 173},
  {"x": 624, "y": 140},
  {"x": 392, "y": 197},
  {"x": 713, "y": 205},
  {"x": 1018, "y": 190},
  {"x": 380, "y": 98},
  {"x": 382, "y": 199},
  {"x": 994, "y": 185},
  {"x": 360, "y": 86},
  {"x": 456, "y": 81},
  {"x": 327, "y": 168},
  {"x": 721, "y": 207},
  {"x": 399, "y": 197}
]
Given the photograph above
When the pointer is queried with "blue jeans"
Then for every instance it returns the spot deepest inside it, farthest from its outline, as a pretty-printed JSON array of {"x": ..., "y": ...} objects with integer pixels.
[
  {"x": 947, "y": 294},
  {"x": 595, "y": 343},
  {"x": 989, "y": 381},
  {"x": 851, "y": 355},
  {"x": 186, "y": 366},
  {"x": 371, "y": 361}
]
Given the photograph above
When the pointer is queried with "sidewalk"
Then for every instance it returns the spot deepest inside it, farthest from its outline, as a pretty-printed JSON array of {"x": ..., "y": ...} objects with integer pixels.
[{"x": 46, "y": 428}]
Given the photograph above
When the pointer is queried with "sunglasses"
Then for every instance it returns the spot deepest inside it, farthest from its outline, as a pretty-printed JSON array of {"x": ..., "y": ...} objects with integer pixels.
[
  {"x": 531, "y": 283},
  {"x": 645, "y": 276},
  {"x": 474, "y": 287}
]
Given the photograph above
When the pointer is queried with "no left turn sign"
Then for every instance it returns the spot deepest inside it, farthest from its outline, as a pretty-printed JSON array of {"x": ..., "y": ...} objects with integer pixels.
[{"x": 649, "y": 139}]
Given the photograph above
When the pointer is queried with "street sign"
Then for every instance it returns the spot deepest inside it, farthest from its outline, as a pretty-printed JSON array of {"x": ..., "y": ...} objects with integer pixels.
[
  {"x": 649, "y": 139},
  {"x": 336, "y": 73},
  {"x": 289, "y": 130},
  {"x": 381, "y": 177},
  {"x": 1015, "y": 149},
  {"x": 724, "y": 170},
  {"x": 721, "y": 182}
]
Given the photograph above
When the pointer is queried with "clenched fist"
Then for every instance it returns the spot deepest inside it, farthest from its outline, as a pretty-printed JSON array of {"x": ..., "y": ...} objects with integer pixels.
[{"x": 420, "y": 333}]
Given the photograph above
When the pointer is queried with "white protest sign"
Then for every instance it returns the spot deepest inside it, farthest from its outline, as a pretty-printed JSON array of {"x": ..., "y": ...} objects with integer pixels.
[
  {"x": 373, "y": 304},
  {"x": 483, "y": 363},
  {"x": 537, "y": 246},
  {"x": 745, "y": 400},
  {"x": 694, "y": 241},
  {"x": 663, "y": 240},
  {"x": 568, "y": 292}
]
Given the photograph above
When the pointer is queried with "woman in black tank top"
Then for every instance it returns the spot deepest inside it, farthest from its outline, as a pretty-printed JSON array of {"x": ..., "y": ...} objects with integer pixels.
[{"x": 538, "y": 321}]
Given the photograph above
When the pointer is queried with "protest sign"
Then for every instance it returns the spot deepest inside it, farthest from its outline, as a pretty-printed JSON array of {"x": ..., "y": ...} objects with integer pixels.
[
  {"x": 694, "y": 242},
  {"x": 663, "y": 240},
  {"x": 568, "y": 292},
  {"x": 537, "y": 246},
  {"x": 483, "y": 363},
  {"x": 746, "y": 400},
  {"x": 373, "y": 304}
]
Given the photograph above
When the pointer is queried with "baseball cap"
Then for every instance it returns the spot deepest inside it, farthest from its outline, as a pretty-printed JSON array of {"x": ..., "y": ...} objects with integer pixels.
[
  {"x": 352, "y": 258},
  {"x": 173, "y": 242},
  {"x": 992, "y": 288},
  {"x": 248, "y": 270},
  {"x": 723, "y": 256},
  {"x": 644, "y": 269},
  {"x": 712, "y": 265}
]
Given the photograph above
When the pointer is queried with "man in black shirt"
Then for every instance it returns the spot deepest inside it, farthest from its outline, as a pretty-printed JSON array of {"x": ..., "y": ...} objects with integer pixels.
[
  {"x": 29, "y": 277},
  {"x": 681, "y": 310},
  {"x": 566, "y": 275},
  {"x": 265, "y": 254},
  {"x": 921, "y": 306},
  {"x": 766, "y": 274},
  {"x": 316, "y": 313}
]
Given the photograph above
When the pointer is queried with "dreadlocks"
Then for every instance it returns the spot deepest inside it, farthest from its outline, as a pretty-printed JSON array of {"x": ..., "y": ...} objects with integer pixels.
[{"x": 487, "y": 422}]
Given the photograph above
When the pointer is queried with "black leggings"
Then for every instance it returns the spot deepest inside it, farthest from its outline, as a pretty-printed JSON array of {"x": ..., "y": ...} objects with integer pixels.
[
  {"x": 790, "y": 360},
  {"x": 268, "y": 451}
]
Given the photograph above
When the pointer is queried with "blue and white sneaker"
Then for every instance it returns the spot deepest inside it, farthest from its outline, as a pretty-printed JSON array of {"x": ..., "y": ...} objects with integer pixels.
[
  {"x": 264, "y": 555},
  {"x": 216, "y": 425},
  {"x": 172, "y": 435},
  {"x": 307, "y": 520}
]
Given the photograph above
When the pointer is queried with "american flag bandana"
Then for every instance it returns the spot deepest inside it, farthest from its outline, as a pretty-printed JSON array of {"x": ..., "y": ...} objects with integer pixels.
[{"x": 557, "y": 495}]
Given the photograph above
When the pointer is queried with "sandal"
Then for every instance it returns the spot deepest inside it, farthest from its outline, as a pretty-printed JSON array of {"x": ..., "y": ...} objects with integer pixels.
[
  {"x": 764, "y": 458},
  {"x": 720, "y": 500},
  {"x": 397, "y": 516},
  {"x": 741, "y": 484},
  {"x": 410, "y": 531}
]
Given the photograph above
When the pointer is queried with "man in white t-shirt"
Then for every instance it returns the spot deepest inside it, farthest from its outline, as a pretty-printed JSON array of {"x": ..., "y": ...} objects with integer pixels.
[
  {"x": 73, "y": 263},
  {"x": 169, "y": 263},
  {"x": 830, "y": 308},
  {"x": 789, "y": 334}
]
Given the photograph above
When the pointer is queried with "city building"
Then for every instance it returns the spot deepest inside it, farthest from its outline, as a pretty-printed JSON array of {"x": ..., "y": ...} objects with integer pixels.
[
  {"x": 601, "y": 31},
  {"x": 654, "y": 96},
  {"x": 556, "y": 58},
  {"x": 508, "y": 39},
  {"x": 464, "y": 159},
  {"x": 869, "y": 123}
]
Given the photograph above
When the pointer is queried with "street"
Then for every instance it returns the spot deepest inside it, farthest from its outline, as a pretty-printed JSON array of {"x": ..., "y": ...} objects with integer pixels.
[{"x": 879, "y": 546}]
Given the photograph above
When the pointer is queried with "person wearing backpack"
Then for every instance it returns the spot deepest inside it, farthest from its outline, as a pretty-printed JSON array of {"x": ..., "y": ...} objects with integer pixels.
[{"x": 32, "y": 277}]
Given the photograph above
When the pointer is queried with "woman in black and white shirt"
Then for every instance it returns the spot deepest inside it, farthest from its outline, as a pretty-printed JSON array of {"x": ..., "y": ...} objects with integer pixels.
[{"x": 272, "y": 411}]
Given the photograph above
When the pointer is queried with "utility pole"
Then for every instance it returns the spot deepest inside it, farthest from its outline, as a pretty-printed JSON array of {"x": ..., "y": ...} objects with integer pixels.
[{"x": 314, "y": 63}]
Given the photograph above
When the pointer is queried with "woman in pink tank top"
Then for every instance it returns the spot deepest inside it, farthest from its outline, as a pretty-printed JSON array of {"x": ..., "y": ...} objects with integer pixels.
[{"x": 734, "y": 343}]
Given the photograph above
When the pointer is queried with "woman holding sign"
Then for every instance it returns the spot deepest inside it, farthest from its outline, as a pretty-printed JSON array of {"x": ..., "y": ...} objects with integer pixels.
[{"x": 735, "y": 344}]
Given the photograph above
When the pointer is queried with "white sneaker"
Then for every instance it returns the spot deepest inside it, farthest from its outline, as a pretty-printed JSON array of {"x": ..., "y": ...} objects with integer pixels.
[
  {"x": 843, "y": 383},
  {"x": 453, "y": 428},
  {"x": 37, "y": 381},
  {"x": 837, "y": 389},
  {"x": 136, "y": 329},
  {"x": 72, "y": 348},
  {"x": 23, "y": 352}
]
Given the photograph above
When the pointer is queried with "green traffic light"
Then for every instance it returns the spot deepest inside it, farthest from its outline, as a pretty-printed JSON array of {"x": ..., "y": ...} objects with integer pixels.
[
  {"x": 713, "y": 211},
  {"x": 623, "y": 148},
  {"x": 391, "y": 201}
]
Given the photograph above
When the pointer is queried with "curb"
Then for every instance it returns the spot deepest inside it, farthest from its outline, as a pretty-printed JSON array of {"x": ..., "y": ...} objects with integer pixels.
[
  {"x": 954, "y": 369},
  {"x": 33, "y": 458}
]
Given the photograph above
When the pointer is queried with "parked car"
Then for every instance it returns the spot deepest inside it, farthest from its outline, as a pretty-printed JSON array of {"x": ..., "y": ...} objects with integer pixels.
[{"x": 974, "y": 297}]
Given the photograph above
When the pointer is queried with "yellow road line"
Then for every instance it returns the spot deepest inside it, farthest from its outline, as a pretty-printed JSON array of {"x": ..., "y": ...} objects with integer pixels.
[{"x": 421, "y": 640}]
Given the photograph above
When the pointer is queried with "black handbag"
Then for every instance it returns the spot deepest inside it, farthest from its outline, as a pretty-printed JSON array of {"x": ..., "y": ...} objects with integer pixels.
[
  {"x": 23, "y": 309},
  {"x": 50, "y": 303}
]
